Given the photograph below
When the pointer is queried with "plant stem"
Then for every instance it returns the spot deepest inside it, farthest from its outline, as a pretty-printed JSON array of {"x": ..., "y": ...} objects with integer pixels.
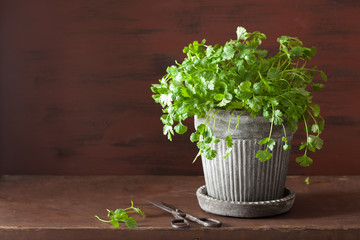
[
  {"x": 238, "y": 119},
  {"x": 307, "y": 134},
  {"x": 227, "y": 132},
  {"x": 318, "y": 131},
  {"x": 102, "y": 220},
  {"x": 211, "y": 116},
  {"x": 207, "y": 116},
  {"x": 284, "y": 130},
  {"x": 216, "y": 112},
  {"x": 272, "y": 124}
]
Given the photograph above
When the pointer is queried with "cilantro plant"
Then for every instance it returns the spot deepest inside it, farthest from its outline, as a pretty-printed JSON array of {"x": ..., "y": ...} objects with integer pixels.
[
  {"x": 241, "y": 76},
  {"x": 122, "y": 215}
]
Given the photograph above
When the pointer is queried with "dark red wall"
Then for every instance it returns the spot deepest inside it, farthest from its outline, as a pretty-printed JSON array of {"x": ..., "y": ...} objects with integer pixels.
[{"x": 76, "y": 76}]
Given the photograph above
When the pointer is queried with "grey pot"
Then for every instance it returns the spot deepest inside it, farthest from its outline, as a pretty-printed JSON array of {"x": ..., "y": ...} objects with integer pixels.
[{"x": 241, "y": 177}]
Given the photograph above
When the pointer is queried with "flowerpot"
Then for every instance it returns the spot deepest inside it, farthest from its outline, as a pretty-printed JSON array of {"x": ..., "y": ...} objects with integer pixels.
[{"x": 241, "y": 177}]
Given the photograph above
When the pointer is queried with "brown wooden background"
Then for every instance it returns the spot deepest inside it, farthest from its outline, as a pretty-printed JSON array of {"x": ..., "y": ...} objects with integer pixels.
[{"x": 76, "y": 76}]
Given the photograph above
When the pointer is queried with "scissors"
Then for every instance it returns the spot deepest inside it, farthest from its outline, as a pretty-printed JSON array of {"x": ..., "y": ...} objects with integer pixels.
[{"x": 181, "y": 218}]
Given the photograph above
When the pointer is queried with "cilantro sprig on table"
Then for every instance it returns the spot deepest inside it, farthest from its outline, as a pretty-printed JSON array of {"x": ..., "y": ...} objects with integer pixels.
[
  {"x": 122, "y": 215},
  {"x": 240, "y": 76}
]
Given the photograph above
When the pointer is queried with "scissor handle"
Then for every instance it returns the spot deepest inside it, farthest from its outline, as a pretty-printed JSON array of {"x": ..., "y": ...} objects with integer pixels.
[
  {"x": 180, "y": 222},
  {"x": 209, "y": 222},
  {"x": 206, "y": 222}
]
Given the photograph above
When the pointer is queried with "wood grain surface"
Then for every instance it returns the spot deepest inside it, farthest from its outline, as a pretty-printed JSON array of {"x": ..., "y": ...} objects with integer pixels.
[
  {"x": 76, "y": 75},
  {"x": 63, "y": 207}
]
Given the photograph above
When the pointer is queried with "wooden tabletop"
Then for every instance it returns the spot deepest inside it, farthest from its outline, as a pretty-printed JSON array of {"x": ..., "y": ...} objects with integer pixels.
[{"x": 63, "y": 207}]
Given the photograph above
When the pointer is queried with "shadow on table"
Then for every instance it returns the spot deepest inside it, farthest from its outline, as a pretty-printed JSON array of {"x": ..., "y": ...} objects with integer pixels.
[{"x": 315, "y": 205}]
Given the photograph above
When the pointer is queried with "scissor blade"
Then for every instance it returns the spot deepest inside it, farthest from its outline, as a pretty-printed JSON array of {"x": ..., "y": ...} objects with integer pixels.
[{"x": 163, "y": 207}]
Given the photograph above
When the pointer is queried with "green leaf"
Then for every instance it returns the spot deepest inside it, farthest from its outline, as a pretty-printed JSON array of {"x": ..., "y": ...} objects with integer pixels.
[
  {"x": 269, "y": 141},
  {"x": 321, "y": 125},
  {"x": 130, "y": 222},
  {"x": 201, "y": 128},
  {"x": 210, "y": 154},
  {"x": 229, "y": 141},
  {"x": 310, "y": 147},
  {"x": 180, "y": 128},
  {"x": 303, "y": 145},
  {"x": 286, "y": 147},
  {"x": 274, "y": 73},
  {"x": 208, "y": 140},
  {"x": 121, "y": 215},
  {"x": 201, "y": 145},
  {"x": 244, "y": 91},
  {"x": 316, "y": 109},
  {"x": 110, "y": 213},
  {"x": 209, "y": 50},
  {"x": 263, "y": 141},
  {"x": 293, "y": 126},
  {"x": 156, "y": 97},
  {"x": 245, "y": 86},
  {"x": 243, "y": 95},
  {"x": 235, "y": 105},
  {"x": 227, "y": 98},
  {"x": 323, "y": 76},
  {"x": 168, "y": 130},
  {"x": 315, "y": 141},
  {"x": 271, "y": 144},
  {"x": 274, "y": 102},
  {"x": 229, "y": 52},
  {"x": 115, "y": 223},
  {"x": 253, "y": 114},
  {"x": 266, "y": 114},
  {"x": 297, "y": 51},
  {"x": 304, "y": 161},
  {"x": 255, "y": 104},
  {"x": 263, "y": 155},
  {"x": 257, "y": 87},
  {"x": 194, "y": 137},
  {"x": 219, "y": 97},
  {"x": 318, "y": 87},
  {"x": 184, "y": 92},
  {"x": 167, "y": 120},
  {"x": 241, "y": 33},
  {"x": 301, "y": 91},
  {"x": 216, "y": 140},
  {"x": 278, "y": 117},
  {"x": 207, "y": 132},
  {"x": 313, "y": 51},
  {"x": 158, "y": 88},
  {"x": 315, "y": 128}
]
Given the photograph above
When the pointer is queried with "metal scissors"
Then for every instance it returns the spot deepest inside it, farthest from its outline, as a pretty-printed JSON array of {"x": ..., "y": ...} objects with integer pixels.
[{"x": 181, "y": 218}]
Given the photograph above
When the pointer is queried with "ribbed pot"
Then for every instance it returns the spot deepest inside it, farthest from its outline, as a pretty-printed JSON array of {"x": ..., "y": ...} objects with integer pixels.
[{"x": 241, "y": 177}]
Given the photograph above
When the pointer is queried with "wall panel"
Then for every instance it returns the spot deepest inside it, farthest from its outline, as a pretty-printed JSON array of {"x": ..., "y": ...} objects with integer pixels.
[{"x": 76, "y": 76}]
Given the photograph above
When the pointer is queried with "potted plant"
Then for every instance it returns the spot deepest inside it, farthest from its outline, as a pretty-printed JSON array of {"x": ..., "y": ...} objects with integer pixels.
[{"x": 246, "y": 105}]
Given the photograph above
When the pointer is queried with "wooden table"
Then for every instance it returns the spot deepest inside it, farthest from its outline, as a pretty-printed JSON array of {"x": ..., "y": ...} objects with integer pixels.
[{"x": 63, "y": 207}]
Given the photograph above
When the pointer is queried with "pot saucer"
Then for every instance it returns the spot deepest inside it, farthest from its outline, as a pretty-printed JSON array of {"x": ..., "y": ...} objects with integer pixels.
[{"x": 245, "y": 209}]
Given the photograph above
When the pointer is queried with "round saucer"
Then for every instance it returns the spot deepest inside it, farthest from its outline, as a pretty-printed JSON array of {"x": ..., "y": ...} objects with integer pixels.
[{"x": 245, "y": 209}]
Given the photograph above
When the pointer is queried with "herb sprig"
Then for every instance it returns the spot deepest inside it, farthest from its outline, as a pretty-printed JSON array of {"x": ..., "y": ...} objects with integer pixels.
[
  {"x": 122, "y": 215},
  {"x": 240, "y": 76}
]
